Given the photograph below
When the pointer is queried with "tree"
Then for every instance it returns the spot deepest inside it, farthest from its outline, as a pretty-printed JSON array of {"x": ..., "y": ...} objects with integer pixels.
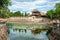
[
  {"x": 57, "y": 5},
  {"x": 26, "y": 14},
  {"x": 4, "y": 8},
  {"x": 4, "y": 12},
  {"x": 58, "y": 9},
  {"x": 18, "y": 13},
  {"x": 52, "y": 14},
  {"x": 5, "y": 3}
]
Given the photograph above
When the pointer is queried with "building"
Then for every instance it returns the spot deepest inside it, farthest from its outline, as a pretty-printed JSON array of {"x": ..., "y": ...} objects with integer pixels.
[
  {"x": 35, "y": 13},
  {"x": 43, "y": 14}
]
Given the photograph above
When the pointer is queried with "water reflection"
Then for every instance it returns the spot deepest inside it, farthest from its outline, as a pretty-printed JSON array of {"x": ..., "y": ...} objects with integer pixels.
[
  {"x": 37, "y": 31},
  {"x": 26, "y": 34},
  {"x": 20, "y": 30}
]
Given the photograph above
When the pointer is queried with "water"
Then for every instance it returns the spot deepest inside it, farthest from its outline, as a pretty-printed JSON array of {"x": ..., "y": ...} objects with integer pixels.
[{"x": 26, "y": 34}]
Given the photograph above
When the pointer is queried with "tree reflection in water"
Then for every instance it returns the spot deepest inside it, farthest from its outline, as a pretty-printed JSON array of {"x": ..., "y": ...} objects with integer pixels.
[
  {"x": 20, "y": 30},
  {"x": 37, "y": 31}
]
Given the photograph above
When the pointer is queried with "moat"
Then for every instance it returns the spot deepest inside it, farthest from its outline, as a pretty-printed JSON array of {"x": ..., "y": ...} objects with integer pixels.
[{"x": 27, "y": 34}]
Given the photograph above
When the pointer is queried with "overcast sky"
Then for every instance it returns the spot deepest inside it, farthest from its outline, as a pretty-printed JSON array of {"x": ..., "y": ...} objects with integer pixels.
[{"x": 29, "y": 5}]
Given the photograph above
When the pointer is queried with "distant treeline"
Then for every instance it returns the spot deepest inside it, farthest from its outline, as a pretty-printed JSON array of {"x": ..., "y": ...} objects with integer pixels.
[
  {"x": 5, "y": 13},
  {"x": 18, "y": 14}
]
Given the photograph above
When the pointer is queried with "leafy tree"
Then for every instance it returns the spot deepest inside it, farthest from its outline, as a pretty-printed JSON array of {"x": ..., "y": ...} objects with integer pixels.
[
  {"x": 22, "y": 14},
  {"x": 18, "y": 14},
  {"x": 11, "y": 14},
  {"x": 58, "y": 10},
  {"x": 26, "y": 14},
  {"x": 5, "y": 3},
  {"x": 4, "y": 8},
  {"x": 52, "y": 14},
  {"x": 57, "y": 5},
  {"x": 4, "y": 12}
]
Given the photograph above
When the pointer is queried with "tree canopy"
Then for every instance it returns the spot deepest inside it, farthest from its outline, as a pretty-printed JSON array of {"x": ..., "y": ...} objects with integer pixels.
[
  {"x": 4, "y": 8},
  {"x": 4, "y": 3},
  {"x": 55, "y": 13},
  {"x": 18, "y": 14}
]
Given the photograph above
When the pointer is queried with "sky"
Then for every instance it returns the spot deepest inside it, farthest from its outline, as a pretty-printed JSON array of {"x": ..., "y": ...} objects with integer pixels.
[{"x": 29, "y": 5}]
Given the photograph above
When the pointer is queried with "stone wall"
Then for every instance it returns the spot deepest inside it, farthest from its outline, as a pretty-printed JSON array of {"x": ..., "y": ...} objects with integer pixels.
[
  {"x": 4, "y": 33},
  {"x": 55, "y": 33},
  {"x": 29, "y": 20}
]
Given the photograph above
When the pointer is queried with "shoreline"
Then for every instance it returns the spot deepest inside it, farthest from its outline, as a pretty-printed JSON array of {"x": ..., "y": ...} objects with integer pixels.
[{"x": 28, "y": 20}]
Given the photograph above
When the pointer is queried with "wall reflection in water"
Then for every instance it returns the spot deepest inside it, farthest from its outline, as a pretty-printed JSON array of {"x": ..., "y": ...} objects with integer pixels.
[{"x": 35, "y": 31}]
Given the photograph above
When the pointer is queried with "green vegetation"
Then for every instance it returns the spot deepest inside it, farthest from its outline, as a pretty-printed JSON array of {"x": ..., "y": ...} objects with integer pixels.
[
  {"x": 4, "y": 3},
  {"x": 5, "y": 12},
  {"x": 18, "y": 14},
  {"x": 4, "y": 8},
  {"x": 53, "y": 14}
]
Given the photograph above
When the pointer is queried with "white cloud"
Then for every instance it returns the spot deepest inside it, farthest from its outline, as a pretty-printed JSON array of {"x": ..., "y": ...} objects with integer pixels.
[{"x": 29, "y": 6}]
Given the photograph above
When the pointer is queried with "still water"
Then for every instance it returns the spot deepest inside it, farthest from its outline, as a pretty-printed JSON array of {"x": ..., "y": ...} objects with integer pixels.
[{"x": 26, "y": 34}]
